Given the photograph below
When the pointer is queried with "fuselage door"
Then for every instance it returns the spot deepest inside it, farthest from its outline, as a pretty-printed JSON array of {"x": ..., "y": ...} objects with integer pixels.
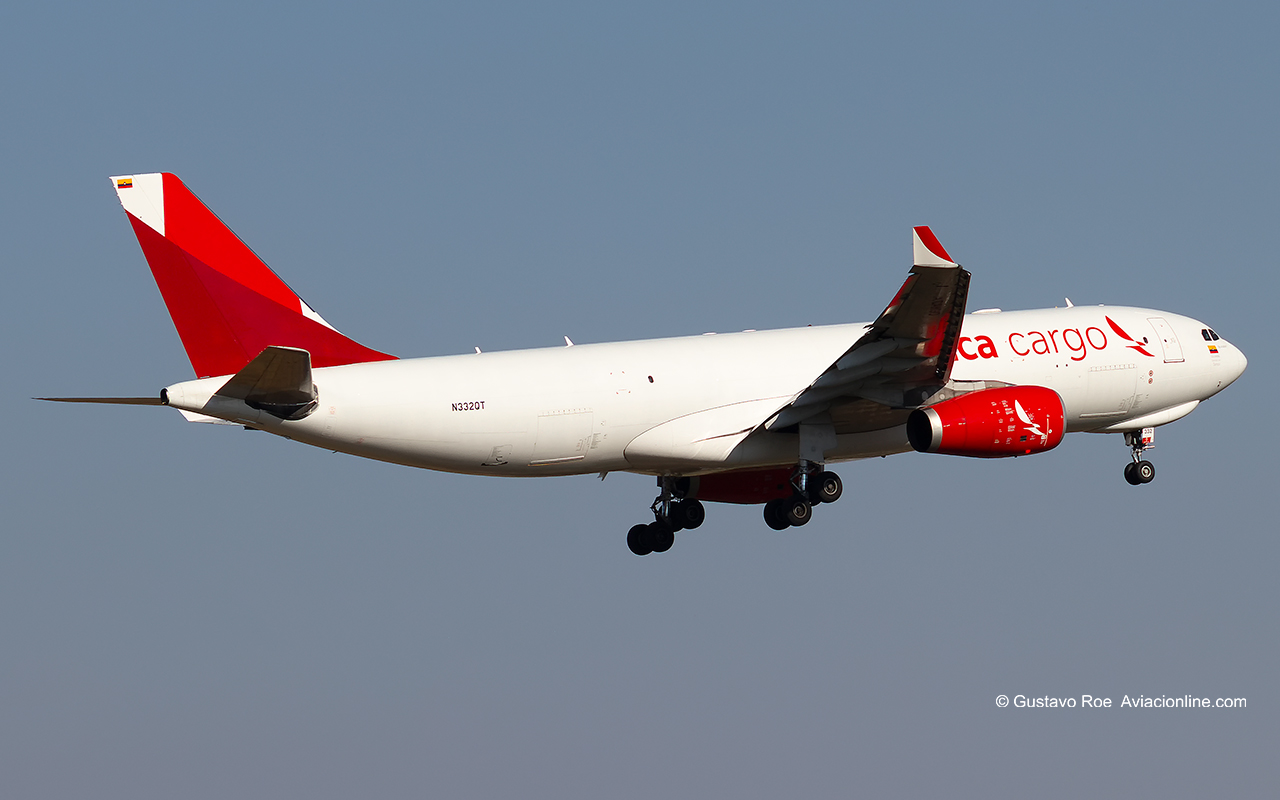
[
  {"x": 563, "y": 436},
  {"x": 1168, "y": 339},
  {"x": 1110, "y": 391}
]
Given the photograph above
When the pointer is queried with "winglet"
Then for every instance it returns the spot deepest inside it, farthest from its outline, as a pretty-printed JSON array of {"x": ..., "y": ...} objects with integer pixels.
[{"x": 929, "y": 252}]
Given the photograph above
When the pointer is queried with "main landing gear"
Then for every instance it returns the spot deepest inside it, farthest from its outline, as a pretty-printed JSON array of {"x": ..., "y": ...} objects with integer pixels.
[
  {"x": 671, "y": 514},
  {"x": 1139, "y": 471},
  {"x": 673, "y": 511},
  {"x": 812, "y": 486}
]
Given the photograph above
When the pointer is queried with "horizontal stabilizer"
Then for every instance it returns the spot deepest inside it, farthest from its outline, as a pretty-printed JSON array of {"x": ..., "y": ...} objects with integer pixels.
[
  {"x": 278, "y": 382},
  {"x": 191, "y": 416},
  {"x": 115, "y": 401}
]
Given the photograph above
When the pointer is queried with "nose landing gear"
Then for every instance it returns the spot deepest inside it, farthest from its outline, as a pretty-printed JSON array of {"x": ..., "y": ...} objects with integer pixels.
[{"x": 1140, "y": 471}]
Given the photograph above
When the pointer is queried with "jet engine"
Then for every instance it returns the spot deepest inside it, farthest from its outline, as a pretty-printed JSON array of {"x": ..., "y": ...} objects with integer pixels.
[{"x": 990, "y": 423}]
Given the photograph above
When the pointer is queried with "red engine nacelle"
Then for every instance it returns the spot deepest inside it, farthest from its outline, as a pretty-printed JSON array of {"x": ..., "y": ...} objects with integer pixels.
[{"x": 990, "y": 423}]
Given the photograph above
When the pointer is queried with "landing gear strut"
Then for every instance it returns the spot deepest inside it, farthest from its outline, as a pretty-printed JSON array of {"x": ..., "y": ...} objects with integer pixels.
[
  {"x": 670, "y": 514},
  {"x": 1139, "y": 471},
  {"x": 812, "y": 486}
]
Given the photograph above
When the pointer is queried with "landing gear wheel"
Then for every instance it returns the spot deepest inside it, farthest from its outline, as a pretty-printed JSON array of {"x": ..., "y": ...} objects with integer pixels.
[
  {"x": 1140, "y": 471},
  {"x": 1129, "y": 476},
  {"x": 797, "y": 511},
  {"x": 829, "y": 488},
  {"x": 1144, "y": 471},
  {"x": 661, "y": 537},
  {"x": 688, "y": 514},
  {"x": 773, "y": 516},
  {"x": 639, "y": 541}
]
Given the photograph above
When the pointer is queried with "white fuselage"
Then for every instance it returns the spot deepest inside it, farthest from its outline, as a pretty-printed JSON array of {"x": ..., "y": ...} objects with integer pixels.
[{"x": 661, "y": 406}]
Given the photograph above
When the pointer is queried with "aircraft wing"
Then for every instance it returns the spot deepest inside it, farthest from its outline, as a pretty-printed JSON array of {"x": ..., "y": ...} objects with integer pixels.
[{"x": 904, "y": 357}]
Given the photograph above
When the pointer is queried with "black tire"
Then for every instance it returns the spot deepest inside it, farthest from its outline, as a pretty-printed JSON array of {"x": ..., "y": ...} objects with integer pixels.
[
  {"x": 688, "y": 514},
  {"x": 1130, "y": 475},
  {"x": 639, "y": 541},
  {"x": 1145, "y": 471},
  {"x": 829, "y": 488},
  {"x": 773, "y": 516},
  {"x": 661, "y": 537},
  {"x": 797, "y": 511}
]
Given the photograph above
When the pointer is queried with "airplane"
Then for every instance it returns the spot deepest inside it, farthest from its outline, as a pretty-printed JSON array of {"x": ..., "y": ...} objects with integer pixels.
[{"x": 754, "y": 417}]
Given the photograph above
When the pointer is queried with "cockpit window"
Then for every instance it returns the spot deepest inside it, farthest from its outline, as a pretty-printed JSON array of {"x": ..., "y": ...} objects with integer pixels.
[
  {"x": 1205, "y": 333},
  {"x": 1214, "y": 335}
]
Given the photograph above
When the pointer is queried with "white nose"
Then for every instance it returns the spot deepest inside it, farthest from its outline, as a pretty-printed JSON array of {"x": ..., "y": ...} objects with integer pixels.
[
  {"x": 1233, "y": 363},
  {"x": 1238, "y": 362}
]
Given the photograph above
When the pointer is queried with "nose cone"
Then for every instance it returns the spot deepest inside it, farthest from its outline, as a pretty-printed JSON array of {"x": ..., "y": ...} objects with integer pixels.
[
  {"x": 1235, "y": 362},
  {"x": 1230, "y": 364}
]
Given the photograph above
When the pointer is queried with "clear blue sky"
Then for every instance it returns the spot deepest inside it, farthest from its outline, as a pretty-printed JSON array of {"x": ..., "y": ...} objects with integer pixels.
[{"x": 202, "y": 612}]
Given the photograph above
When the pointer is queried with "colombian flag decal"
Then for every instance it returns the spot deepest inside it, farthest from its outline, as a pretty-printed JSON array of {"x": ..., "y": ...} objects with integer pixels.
[
  {"x": 124, "y": 183},
  {"x": 1213, "y": 348}
]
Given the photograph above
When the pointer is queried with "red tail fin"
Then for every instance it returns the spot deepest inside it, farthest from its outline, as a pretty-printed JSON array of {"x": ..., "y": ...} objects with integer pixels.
[{"x": 226, "y": 304}]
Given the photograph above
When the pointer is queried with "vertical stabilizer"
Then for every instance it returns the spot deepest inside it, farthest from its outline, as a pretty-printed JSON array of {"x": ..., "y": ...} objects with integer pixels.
[{"x": 227, "y": 305}]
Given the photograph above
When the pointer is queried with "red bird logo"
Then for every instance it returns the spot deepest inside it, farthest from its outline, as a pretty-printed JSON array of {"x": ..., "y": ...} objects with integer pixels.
[{"x": 1134, "y": 344}]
